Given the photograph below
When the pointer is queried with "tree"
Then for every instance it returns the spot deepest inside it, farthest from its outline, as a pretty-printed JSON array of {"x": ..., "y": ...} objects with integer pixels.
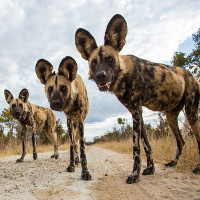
[
  {"x": 123, "y": 133},
  {"x": 149, "y": 130},
  {"x": 179, "y": 59},
  {"x": 42, "y": 138},
  {"x": 62, "y": 136},
  {"x": 96, "y": 139},
  {"x": 162, "y": 128},
  {"x": 122, "y": 122},
  {"x": 128, "y": 131},
  {"x": 192, "y": 60},
  {"x": 7, "y": 119},
  {"x": 59, "y": 131},
  {"x": 2, "y": 137}
]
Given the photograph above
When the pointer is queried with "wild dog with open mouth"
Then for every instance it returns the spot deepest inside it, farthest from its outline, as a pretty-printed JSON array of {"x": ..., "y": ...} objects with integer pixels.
[
  {"x": 35, "y": 116},
  {"x": 66, "y": 92},
  {"x": 137, "y": 82}
]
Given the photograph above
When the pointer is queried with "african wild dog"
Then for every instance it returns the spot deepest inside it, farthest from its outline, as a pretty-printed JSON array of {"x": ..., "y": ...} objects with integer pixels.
[
  {"x": 137, "y": 82},
  {"x": 66, "y": 92},
  {"x": 35, "y": 116}
]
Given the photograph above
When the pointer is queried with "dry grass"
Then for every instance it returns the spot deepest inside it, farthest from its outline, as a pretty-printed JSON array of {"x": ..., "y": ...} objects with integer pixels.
[
  {"x": 163, "y": 151},
  {"x": 11, "y": 150}
]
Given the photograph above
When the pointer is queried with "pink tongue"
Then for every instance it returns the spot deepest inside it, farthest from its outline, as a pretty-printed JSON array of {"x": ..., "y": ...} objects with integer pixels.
[{"x": 103, "y": 84}]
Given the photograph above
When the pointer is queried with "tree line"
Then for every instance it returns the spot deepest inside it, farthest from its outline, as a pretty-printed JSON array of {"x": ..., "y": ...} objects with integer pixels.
[{"x": 124, "y": 131}]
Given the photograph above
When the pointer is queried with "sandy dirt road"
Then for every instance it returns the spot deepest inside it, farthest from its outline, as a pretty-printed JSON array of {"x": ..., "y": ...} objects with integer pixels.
[{"x": 46, "y": 179}]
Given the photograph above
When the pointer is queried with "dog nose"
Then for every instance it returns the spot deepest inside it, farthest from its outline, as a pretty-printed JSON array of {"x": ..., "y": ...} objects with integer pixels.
[
  {"x": 17, "y": 112},
  {"x": 101, "y": 75},
  {"x": 56, "y": 103}
]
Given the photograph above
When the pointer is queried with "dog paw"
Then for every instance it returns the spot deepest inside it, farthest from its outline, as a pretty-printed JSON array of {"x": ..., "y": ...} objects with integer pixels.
[
  {"x": 56, "y": 156},
  {"x": 34, "y": 155},
  {"x": 133, "y": 179},
  {"x": 85, "y": 175},
  {"x": 19, "y": 160},
  {"x": 77, "y": 161},
  {"x": 197, "y": 170},
  {"x": 70, "y": 168},
  {"x": 171, "y": 164},
  {"x": 148, "y": 171}
]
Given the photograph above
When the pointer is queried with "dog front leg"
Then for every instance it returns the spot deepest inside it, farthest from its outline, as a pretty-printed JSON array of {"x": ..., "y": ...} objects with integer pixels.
[
  {"x": 134, "y": 177},
  {"x": 147, "y": 148},
  {"x": 34, "y": 144},
  {"x": 23, "y": 138},
  {"x": 85, "y": 175},
  {"x": 71, "y": 166},
  {"x": 77, "y": 157},
  {"x": 76, "y": 139}
]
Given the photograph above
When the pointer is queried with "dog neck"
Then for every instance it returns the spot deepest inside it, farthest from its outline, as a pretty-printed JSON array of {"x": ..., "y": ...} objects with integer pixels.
[
  {"x": 118, "y": 87},
  {"x": 70, "y": 103},
  {"x": 26, "y": 113}
]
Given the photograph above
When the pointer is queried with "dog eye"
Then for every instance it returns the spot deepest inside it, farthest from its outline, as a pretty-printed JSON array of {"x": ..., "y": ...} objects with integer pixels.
[
  {"x": 110, "y": 59},
  {"x": 94, "y": 62},
  {"x": 50, "y": 89},
  {"x": 63, "y": 88},
  {"x": 13, "y": 106},
  {"x": 21, "y": 106}
]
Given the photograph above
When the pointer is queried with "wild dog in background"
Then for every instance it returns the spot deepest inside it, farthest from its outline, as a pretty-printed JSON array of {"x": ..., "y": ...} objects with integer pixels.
[
  {"x": 137, "y": 82},
  {"x": 66, "y": 92},
  {"x": 35, "y": 116}
]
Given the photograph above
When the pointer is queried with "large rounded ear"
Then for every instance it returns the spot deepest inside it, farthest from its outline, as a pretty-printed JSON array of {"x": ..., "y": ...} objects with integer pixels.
[
  {"x": 8, "y": 96},
  {"x": 68, "y": 68},
  {"x": 85, "y": 43},
  {"x": 116, "y": 32},
  {"x": 23, "y": 95},
  {"x": 43, "y": 70}
]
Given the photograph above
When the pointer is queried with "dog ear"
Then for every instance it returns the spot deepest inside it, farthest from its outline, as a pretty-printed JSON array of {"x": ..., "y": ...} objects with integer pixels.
[
  {"x": 43, "y": 70},
  {"x": 85, "y": 43},
  {"x": 68, "y": 68},
  {"x": 23, "y": 95},
  {"x": 8, "y": 96},
  {"x": 116, "y": 32}
]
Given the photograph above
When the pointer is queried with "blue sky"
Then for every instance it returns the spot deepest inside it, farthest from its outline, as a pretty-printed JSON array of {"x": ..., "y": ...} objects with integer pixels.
[
  {"x": 187, "y": 45},
  {"x": 35, "y": 29}
]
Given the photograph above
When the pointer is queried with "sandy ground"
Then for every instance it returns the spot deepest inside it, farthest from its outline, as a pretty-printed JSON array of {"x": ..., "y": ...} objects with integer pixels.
[{"x": 46, "y": 178}]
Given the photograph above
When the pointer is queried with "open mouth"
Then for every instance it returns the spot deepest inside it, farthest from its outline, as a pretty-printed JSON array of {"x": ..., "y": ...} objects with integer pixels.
[
  {"x": 17, "y": 117},
  {"x": 104, "y": 86},
  {"x": 56, "y": 108}
]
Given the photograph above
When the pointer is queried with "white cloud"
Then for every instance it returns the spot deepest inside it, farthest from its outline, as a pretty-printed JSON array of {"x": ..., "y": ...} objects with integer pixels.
[
  {"x": 31, "y": 30},
  {"x": 157, "y": 28}
]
